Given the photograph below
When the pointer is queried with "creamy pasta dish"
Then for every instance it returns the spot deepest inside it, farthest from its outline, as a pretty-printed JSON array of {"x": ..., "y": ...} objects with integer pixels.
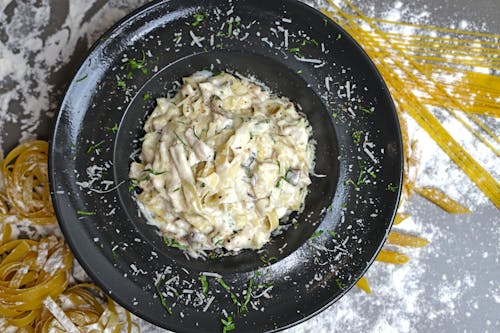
[{"x": 222, "y": 162}]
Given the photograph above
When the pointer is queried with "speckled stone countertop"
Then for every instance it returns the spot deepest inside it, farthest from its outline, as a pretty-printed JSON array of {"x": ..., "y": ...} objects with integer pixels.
[{"x": 452, "y": 285}]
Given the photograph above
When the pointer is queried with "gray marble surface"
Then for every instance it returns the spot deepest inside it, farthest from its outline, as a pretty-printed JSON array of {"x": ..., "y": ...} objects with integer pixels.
[{"x": 452, "y": 285}]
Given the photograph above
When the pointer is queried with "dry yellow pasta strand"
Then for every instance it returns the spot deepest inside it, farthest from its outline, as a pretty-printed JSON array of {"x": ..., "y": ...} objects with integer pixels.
[
  {"x": 400, "y": 217},
  {"x": 401, "y": 239},
  {"x": 429, "y": 123},
  {"x": 85, "y": 312},
  {"x": 363, "y": 285},
  {"x": 442, "y": 200},
  {"x": 392, "y": 257},
  {"x": 435, "y": 28},
  {"x": 26, "y": 279},
  {"x": 413, "y": 66},
  {"x": 483, "y": 88},
  {"x": 25, "y": 175}
]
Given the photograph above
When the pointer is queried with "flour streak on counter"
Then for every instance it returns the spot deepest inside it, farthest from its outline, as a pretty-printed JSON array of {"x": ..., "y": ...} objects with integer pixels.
[{"x": 35, "y": 49}]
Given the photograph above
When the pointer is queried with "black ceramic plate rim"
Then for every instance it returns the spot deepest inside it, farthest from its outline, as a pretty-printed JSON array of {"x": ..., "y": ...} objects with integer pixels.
[{"x": 99, "y": 281}]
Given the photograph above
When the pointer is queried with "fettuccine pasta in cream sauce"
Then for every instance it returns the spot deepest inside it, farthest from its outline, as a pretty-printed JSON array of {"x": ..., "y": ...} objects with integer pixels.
[{"x": 222, "y": 162}]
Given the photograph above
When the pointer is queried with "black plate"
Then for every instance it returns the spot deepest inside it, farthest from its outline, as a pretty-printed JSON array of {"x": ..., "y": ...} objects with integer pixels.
[{"x": 347, "y": 213}]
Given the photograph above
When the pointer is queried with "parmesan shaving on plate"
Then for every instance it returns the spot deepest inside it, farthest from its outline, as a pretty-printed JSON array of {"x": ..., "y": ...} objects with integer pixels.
[{"x": 221, "y": 163}]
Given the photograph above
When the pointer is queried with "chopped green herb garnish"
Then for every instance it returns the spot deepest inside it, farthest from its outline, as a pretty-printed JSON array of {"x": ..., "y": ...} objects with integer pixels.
[
  {"x": 154, "y": 173},
  {"x": 219, "y": 33},
  {"x": 113, "y": 129},
  {"x": 325, "y": 21},
  {"x": 83, "y": 212},
  {"x": 95, "y": 147},
  {"x": 267, "y": 260},
  {"x": 229, "y": 29},
  {"x": 339, "y": 283},
  {"x": 235, "y": 300},
  {"x": 228, "y": 324},
  {"x": 316, "y": 234},
  {"x": 134, "y": 64},
  {"x": 285, "y": 177},
  {"x": 391, "y": 187},
  {"x": 296, "y": 51},
  {"x": 134, "y": 182},
  {"x": 332, "y": 233},
  {"x": 299, "y": 71},
  {"x": 198, "y": 18},
  {"x": 82, "y": 78},
  {"x": 223, "y": 284},
  {"x": 173, "y": 243},
  {"x": 369, "y": 111},
  {"x": 361, "y": 178},
  {"x": 344, "y": 205},
  {"x": 204, "y": 284},
  {"x": 162, "y": 299},
  {"x": 219, "y": 46},
  {"x": 196, "y": 135},
  {"x": 177, "y": 189},
  {"x": 307, "y": 41},
  {"x": 357, "y": 136},
  {"x": 219, "y": 242},
  {"x": 351, "y": 182},
  {"x": 146, "y": 96},
  {"x": 330, "y": 207},
  {"x": 137, "y": 64},
  {"x": 212, "y": 255},
  {"x": 248, "y": 294},
  {"x": 122, "y": 84},
  {"x": 339, "y": 36},
  {"x": 334, "y": 115},
  {"x": 179, "y": 138}
]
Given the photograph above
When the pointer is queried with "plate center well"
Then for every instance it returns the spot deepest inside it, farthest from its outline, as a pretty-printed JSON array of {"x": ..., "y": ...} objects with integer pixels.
[{"x": 281, "y": 80}]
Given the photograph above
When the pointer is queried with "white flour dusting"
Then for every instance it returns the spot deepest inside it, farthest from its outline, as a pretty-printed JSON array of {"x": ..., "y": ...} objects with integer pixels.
[{"x": 31, "y": 50}]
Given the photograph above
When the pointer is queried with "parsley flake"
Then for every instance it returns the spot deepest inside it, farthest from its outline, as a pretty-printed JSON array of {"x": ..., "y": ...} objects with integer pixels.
[
  {"x": 228, "y": 324},
  {"x": 113, "y": 129},
  {"x": 267, "y": 260},
  {"x": 153, "y": 172},
  {"x": 204, "y": 284},
  {"x": 316, "y": 234},
  {"x": 95, "y": 146},
  {"x": 82, "y": 78},
  {"x": 83, "y": 212},
  {"x": 173, "y": 243},
  {"x": 198, "y": 18},
  {"x": 391, "y": 187},
  {"x": 162, "y": 298},
  {"x": 357, "y": 136}
]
